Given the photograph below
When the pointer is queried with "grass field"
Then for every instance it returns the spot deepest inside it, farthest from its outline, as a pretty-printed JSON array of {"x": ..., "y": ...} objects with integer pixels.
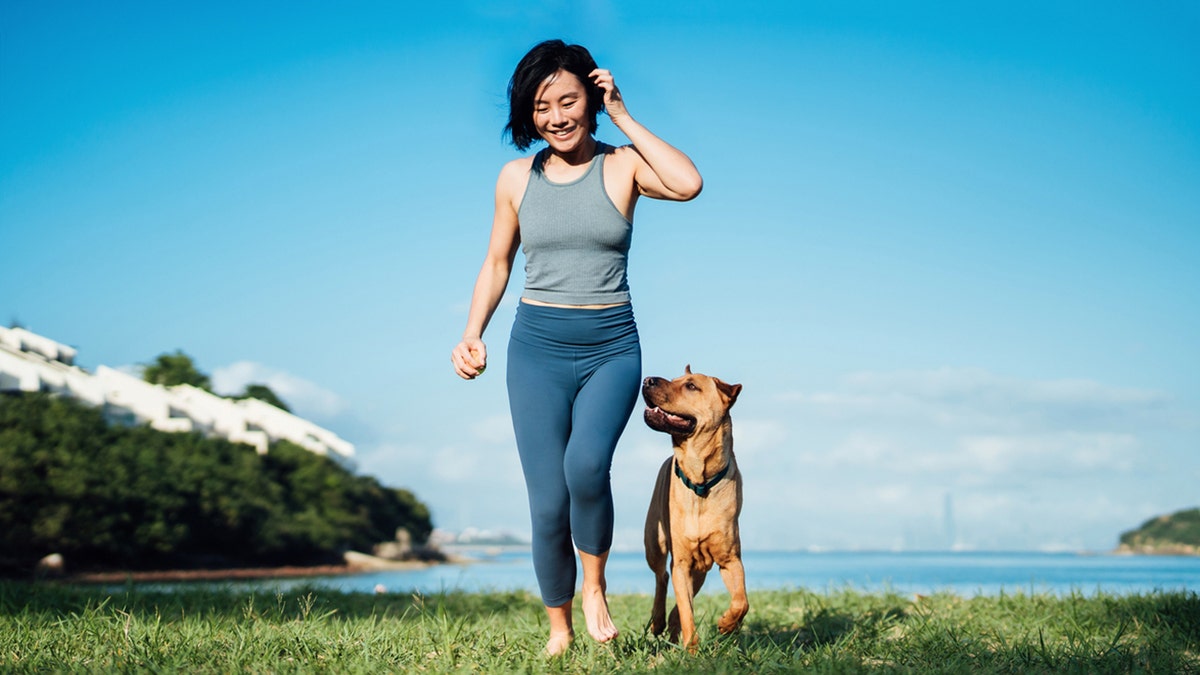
[{"x": 49, "y": 627}]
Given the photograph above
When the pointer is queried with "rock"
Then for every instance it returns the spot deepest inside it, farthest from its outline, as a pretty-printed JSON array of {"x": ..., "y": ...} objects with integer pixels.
[
  {"x": 403, "y": 537},
  {"x": 52, "y": 565},
  {"x": 390, "y": 550},
  {"x": 398, "y": 549},
  {"x": 364, "y": 562}
]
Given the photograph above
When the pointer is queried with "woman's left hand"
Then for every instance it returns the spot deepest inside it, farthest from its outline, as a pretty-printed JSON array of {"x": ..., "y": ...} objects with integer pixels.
[{"x": 614, "y": 105}]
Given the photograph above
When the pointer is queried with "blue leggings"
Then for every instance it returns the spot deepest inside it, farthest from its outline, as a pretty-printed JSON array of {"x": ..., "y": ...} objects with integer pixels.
[{"x": 573, "y": 378}]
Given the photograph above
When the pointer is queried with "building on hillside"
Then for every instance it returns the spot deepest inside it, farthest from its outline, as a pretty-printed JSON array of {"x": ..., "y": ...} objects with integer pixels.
[{"x": 31, "y": 362}]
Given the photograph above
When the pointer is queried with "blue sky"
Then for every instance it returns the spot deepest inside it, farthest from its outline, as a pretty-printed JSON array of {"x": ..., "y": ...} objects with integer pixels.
[{"x": 948, "y": 249}]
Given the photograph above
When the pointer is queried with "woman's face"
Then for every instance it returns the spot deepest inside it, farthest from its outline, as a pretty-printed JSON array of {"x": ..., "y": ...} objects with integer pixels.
[{"x": 560, "y": 112}]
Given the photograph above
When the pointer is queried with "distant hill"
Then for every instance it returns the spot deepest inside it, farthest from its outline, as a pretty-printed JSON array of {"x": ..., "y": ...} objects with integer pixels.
[{"x": 1174, "y": 534}]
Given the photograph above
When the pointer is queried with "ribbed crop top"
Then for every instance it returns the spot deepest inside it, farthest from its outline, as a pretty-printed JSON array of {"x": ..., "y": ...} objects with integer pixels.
[{"x": 575, "y": 240}]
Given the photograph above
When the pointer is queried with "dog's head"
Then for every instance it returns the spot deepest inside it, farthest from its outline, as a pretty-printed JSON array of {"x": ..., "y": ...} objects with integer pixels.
[{"x": 688, "y": 403}]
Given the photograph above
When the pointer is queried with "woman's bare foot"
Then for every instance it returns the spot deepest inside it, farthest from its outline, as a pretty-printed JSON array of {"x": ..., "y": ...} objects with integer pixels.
[
  {"x": 595, "y": 606},
  {"x": 595, "y": 611},
  {"x": 562, "y": 633},
  {"x": 559, "y": 643}
]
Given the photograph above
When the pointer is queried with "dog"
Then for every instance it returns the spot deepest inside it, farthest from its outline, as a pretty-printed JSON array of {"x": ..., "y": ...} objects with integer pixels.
[{"x": 693, "y": 514}]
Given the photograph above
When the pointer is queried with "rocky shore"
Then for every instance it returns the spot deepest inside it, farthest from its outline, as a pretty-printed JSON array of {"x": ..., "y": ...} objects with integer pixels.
[
  {"x": 354, "y": 563},
  {"x": 1157, "y": 549}
]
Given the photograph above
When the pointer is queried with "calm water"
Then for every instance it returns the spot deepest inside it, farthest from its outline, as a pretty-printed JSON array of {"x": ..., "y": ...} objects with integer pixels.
[{"x": 966, "y": 574}]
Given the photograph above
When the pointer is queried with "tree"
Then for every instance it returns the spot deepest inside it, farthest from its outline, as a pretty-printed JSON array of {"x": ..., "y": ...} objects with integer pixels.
[
  {"x": 178, "y": 368},
  {"x": 106, "y": 496},
  {"x": 263, "y": 393}
]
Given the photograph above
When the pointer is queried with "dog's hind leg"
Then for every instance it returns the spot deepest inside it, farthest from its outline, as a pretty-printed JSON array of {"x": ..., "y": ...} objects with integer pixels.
[
  {"x": 658, "y": 612},
  {"x": 657, "y": 541},
  {"x": 698, "y": 577},
  {"x": 734, "y": 576}
]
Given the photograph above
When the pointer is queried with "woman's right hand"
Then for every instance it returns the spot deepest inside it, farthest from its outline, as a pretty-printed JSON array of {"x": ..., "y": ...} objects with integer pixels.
[{"x": 469, "y": 358}]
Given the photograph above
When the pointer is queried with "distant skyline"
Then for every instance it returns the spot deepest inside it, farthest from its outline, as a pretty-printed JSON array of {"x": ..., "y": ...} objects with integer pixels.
[{"x": 951, "y": 252}]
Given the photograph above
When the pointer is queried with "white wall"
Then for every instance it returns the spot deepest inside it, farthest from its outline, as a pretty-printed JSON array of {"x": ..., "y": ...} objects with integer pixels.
[{"x": 30, "y": 362}]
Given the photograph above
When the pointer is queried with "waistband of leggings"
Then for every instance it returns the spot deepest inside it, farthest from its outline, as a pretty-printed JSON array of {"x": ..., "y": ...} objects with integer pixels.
[{"x": 574, "y": 326}]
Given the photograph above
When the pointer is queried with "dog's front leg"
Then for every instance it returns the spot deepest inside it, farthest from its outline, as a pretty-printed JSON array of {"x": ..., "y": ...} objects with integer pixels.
[
  {"x": 734, "y": 576},
  {"x": 684, "y": 592}
]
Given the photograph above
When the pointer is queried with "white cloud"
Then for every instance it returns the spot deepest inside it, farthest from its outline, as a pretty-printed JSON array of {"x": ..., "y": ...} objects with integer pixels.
[
  {"x": 495, "y": 429},
  {"x": 305, "y": 398},
  {"x": 969, "y": 398},
  {"x": 755, "y": 437},
  {"x": 1065, "y": 452},
  {"x": 507, "y": 301},
  {"x": 480, "y": 478},
  {"x": 641, "y": 453},
  {"x": 869, "y": 461},
  {"x": 900, "y": 452},
  {"x": 863, "y": 449}
]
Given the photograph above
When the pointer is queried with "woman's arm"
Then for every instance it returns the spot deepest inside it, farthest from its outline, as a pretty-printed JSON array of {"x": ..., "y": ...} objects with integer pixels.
[
  {"x": 662, "y": 171},
  {"x": 470, "y": 355}
]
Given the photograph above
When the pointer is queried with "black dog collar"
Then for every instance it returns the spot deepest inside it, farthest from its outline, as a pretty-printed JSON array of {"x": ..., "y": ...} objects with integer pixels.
[{"x": 703, "y": 488}]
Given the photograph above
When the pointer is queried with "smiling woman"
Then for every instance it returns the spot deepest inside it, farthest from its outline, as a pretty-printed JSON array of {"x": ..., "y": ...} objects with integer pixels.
[
  {"x": 574, "y": 357},
  {"x": 537, "y": 88}
]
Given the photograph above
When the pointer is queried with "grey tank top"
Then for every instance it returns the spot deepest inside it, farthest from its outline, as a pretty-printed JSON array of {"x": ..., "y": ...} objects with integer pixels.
[{"x": 575, "y": 240}]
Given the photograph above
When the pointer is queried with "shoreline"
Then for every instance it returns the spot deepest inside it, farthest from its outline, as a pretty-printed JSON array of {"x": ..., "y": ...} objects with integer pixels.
[
  {"x": 234, "y": 574},
  {"x": 360, "y": 563},
  {"x": 355, "y": 563}
]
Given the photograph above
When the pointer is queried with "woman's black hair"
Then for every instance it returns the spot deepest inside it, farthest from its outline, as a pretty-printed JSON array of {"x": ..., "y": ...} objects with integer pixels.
[{"x": 545, "y": 59}]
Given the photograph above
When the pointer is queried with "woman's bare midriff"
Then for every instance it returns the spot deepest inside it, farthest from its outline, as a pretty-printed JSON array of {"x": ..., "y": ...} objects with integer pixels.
[{"x": 539, "y": 303}]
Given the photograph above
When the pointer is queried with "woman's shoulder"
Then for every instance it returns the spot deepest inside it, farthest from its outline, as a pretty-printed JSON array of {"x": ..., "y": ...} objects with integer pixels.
[
  {"x": 516, "y": 170},
  {"x": 621, "y": 154},
  {"x": 520, "y": 163},
  {"x": 623, "y": 159},
  {"x": 514, "y": 177},
  {"x": 518, "y": 166}
]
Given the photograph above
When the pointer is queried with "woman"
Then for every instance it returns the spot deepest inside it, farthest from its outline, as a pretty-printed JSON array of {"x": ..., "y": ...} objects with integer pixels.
[{"x": 574, "y": 360}]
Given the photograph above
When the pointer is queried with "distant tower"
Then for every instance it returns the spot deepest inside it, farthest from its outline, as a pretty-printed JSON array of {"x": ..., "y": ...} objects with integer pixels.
[{"x": 948, "y": 521}]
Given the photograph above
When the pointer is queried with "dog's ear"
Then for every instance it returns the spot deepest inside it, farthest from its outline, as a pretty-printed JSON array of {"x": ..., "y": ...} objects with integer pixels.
[
  {"x": 688, "y": 369},
  {"x": 730, "y": 391}
]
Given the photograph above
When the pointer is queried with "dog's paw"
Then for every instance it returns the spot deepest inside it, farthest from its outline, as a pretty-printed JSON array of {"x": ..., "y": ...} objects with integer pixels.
[{"x": 730, "y": 622}]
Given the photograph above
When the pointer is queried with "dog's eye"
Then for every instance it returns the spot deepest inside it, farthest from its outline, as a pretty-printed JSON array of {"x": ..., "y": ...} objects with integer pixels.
[{"x": 692, "y": 387}]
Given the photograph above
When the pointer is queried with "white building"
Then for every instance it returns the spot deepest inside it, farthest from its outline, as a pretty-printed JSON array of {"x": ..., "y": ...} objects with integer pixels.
[{"x": 30, "y": 362}]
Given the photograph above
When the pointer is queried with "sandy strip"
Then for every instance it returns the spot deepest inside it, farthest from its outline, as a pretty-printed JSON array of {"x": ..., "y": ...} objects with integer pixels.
[{"x": 355, "y": 563}]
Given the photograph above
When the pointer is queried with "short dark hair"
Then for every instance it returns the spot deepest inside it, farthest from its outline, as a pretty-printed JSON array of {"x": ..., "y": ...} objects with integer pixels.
[{"x": 545, "y": 59}]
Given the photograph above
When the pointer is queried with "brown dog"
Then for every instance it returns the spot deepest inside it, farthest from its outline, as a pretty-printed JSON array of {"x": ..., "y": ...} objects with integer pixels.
[{"x": 697, "y": 499}]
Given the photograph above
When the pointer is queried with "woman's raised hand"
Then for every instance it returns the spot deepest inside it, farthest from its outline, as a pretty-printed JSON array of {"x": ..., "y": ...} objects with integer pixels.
[{"x": 614, "y": 105}]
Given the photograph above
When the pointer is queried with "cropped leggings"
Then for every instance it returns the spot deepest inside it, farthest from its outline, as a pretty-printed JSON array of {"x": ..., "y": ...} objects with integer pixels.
[{"x": 573, "y": 378}]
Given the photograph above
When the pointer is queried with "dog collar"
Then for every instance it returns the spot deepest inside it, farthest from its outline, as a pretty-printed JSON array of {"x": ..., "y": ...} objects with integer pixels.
[{"x": 703, "y": 488}]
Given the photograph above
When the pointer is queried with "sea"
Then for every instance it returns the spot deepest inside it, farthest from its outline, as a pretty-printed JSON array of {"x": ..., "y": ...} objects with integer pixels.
[{"x": 966, "y": 574}]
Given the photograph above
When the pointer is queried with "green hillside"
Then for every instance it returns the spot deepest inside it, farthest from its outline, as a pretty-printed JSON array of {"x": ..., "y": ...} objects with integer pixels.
[
  {"x": 1174, "y": 534},
  {"x": 113, "y": 497}
]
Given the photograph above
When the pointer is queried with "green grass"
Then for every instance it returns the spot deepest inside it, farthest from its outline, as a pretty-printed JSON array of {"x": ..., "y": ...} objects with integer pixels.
[{"x": 50, "y": 627}]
